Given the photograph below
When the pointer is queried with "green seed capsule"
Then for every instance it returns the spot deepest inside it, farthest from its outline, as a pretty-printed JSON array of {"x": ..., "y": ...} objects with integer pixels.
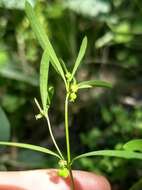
[{"x": 63, "y": 172}]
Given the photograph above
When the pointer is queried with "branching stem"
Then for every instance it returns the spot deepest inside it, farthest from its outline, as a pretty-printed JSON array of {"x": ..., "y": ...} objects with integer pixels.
[{"x": 52, "y": 136}]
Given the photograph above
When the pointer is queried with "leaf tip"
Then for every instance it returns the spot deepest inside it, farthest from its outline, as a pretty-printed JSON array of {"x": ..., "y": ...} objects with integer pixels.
[
  {"x": 28, "y": 4},
  {"x": 85, "y": 40}
]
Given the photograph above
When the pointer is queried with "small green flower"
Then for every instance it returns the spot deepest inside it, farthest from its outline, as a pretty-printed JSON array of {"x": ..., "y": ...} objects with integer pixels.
[
  {"x": 74, "y": 88},
  {"x": 62, "y": 163},
  {"x": 68, "y": 76},
  {"x": 73, "y": 96}
]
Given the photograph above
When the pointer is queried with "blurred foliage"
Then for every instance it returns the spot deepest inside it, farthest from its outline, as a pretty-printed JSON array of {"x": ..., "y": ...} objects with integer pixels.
[
  {"x": 137, "y": 186},
  {"x": 4, "y": 126},
  {"x": 86, "y": 8},
  {"x": 14, "y": 4},
  {"x": 100, "y": 118}
]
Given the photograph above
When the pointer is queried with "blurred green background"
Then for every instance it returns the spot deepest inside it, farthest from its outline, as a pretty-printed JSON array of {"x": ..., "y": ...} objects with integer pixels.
[{"x": 99, "y": 118}]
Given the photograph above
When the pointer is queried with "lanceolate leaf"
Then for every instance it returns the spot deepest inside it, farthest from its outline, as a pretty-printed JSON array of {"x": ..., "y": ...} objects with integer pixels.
[
  {"x": 64, "y": 66},
  {"x": 94, "y": 83},
  {"x": 44, "y": 68},
  {"x": 133, "y": 145},
  {"x": 112, "y": 153},
  {"x": 80, "y": 55},
  {"x": 43, "y": 38},
  {"x": 31, "y": 147}
]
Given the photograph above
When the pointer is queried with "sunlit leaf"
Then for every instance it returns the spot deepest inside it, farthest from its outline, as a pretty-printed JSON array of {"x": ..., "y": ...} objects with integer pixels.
[
  {"x": 89, "y": 8},
  {"x": 44, "y": 68},
  {"x": 112, "y": 153},
  {"x": 133, "y": 145},
  {"x": 43, "y": 38},
  {"x": 80, "y": 55},
  {"x": 94, "y": 83},
  {"x": 15, "y": 4},
  {"x": 104, "y": 40},
  {"x": 31, "y": 147},
  {"x": 4, "y": 126}
]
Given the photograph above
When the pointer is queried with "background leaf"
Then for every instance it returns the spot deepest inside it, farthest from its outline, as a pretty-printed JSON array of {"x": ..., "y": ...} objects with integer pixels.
[
  {"x": 134, "y": 145},
  {"x": 89, "y": 8},
  {"x": 11, "y": 72},
  {"x": 137, "y": 186},
  {"x": 4, "y": 126},
  {"x": 32, "y": 159}
]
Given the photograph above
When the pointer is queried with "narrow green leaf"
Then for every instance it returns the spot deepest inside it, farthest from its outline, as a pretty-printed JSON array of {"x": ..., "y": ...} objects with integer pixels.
[
  {"x": 36, "y": 26},
  {"x": 64, "y": 66},
  {"x": 31, "y": 147},
  {"x": 44, "y": 69},
  {"x": 112, "y": 153},
  {"x": 94, "y": 83},
  {"x": 83, "y": 86},
  {"x": 133, "y": 145},
  {"x": 80, "y": 55},
  {"x": 43, "y": 38},
  {"x": 55, "y": 63}
]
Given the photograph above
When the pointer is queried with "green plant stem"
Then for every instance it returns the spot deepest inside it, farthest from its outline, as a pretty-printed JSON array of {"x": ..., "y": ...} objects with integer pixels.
[
  {"x": 67, "y": 130},
  {"x": 68, "y": 143},
  {"x": 71, "y": 178},
  {"x": 52, "y": 137}
]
